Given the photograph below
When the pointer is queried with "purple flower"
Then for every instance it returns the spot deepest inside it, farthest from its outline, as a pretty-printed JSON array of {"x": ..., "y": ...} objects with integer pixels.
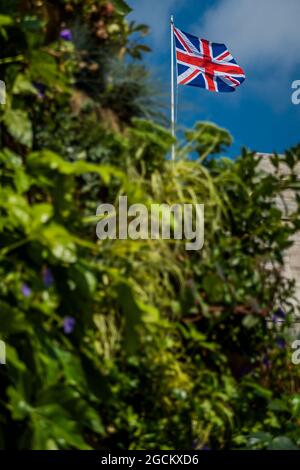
[
  {"x": 41, "y": 89},
  {"x": 26, "y": 291},
  {"x": 279, "y": 315},
  {"x": 266, "y": 361},
  {"x": 66, "y": 34},
  {"x": 280, "y": 342},
  {"x": 69, "y": 325},
  {"x": 47, "y": 277}
]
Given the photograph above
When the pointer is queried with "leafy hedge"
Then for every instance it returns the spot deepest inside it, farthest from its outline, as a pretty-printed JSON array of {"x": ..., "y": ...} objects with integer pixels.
[{"x": 131, "y": 344}]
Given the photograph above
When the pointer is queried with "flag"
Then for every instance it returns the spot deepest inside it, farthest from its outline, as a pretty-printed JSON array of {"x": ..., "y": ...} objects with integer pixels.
[{"x": 206, "y": 64}]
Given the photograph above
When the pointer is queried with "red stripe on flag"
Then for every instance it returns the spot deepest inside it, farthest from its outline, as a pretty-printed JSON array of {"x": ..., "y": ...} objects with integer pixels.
[
  {"x": 191, "y": 60},
  {"x": 183, "y": 42},
  {"x": 189, "y": 77},
  {"x": 209, "y": 65},
  {"x": 223, "y": 56},
  {"x": 205, "y": 48},
  {"x": 210, "y": 82}
]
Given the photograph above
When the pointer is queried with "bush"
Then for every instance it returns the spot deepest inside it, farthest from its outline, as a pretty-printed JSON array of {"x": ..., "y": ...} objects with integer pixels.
[{"x": 131, "y": 344}]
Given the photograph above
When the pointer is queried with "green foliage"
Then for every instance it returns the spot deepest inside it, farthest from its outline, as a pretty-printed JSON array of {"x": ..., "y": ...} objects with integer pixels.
[{"x": 131, "y": 344}]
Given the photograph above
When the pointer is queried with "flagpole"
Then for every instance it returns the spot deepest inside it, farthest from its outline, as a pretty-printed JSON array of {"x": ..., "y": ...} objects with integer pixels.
[{"x": 172, "y": 87}]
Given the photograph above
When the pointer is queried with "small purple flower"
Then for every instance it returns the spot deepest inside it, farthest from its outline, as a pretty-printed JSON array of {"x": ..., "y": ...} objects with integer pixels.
[
  {"x": 206, "y": 448},
  {"x": 66, "y": 34},
  {"x": 47, "y": 277},
  {"x": 280, "y": 342},
  {"x": 266, "y": 361},
  {"x": 69, "y": 325},
  {"x": 41, "y": 89},
  {"x": 279, "y": 315},
  {"x": 26, "y": 291}
]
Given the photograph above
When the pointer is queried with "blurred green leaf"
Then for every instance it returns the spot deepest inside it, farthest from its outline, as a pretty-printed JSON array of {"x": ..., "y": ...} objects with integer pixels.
[{"x": 19, "y": 126}]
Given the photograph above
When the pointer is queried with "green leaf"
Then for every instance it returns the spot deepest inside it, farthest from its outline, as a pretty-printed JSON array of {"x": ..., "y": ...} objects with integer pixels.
[
  {"x": 41, "y": 214},
  {"x": 22, "y": 180},
  {"x": 43, "y": 68},
  {"x": 84, "y": 279},
  {"x": 282, "y": 443},
  {"x": 278, "y": 405},
  {"x": 13, "y": 320},
  {"x": 19, "y": 126},
  {"x": 122, "y": 7},
  {"x": 23, "y": 85},
  {"x": 137, "y": 314},
  {"x": 6, "y": 20},
  {"x": 59, "y": 241},
  {"x": 51, "y": 421},
  {"x": 250, "y": 321},
  {"x": 16, "y": 207},
  {"x": 72, "y": 368},
  {"x": 13, "y": 359},
  {"x": 17, "y": 404},
  {"x": 49, "y": 159},
  {"x": 259, "y": 439}
]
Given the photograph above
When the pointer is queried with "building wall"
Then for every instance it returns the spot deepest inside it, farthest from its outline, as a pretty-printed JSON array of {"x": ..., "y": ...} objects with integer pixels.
[{"x": 292, "y": 256}]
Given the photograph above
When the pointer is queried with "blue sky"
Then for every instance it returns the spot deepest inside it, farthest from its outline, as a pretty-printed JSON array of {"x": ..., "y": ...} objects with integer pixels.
[{"x": 264, "y": 38}]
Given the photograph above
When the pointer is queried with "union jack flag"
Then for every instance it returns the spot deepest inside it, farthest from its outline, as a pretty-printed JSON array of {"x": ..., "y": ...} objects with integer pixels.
[{"x": 206, "y": 64}]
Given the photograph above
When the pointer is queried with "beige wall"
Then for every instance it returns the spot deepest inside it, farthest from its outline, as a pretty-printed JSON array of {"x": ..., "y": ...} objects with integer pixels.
[{"x": 292, "y": 256}]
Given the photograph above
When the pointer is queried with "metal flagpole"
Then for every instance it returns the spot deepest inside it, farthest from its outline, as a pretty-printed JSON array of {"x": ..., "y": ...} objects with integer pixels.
[{"x": 172, "y": 87}]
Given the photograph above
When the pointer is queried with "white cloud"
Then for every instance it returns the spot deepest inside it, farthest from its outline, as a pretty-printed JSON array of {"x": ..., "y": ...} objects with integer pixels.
[
  {"x": 264, "y": 37},
  {"x": 260, "y": 32}
]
